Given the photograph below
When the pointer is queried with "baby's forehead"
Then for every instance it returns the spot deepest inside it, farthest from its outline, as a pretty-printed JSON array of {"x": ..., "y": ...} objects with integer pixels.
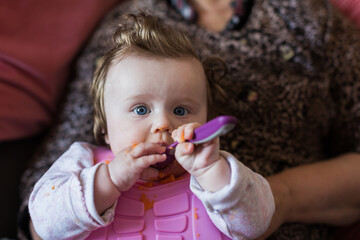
[{"x": 139, "y": 75}]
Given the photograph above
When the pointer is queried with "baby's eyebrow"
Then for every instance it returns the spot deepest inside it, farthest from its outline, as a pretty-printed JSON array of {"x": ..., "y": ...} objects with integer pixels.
[
  {"x": 138, "y": 96},
  {"x": 188, "y": 101}
]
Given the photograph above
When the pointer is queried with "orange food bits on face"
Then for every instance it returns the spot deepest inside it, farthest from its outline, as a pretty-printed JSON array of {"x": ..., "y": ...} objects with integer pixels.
[
  {"x": 107, "y": 161},
  {"x": 161, "y": 129},
  {"x": 133, "y": 146}
]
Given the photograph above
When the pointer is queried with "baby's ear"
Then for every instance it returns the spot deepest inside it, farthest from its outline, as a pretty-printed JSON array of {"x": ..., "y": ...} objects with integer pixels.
[{"x": 106, "y": 137}]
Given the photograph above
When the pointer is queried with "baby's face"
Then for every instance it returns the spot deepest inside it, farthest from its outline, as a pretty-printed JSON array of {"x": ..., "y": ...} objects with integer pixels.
[{"x": 147, "y": 98}]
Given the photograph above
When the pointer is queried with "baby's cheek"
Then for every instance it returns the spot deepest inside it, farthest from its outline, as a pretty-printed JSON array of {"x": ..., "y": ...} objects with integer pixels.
[{"x": 127, "y": 143}]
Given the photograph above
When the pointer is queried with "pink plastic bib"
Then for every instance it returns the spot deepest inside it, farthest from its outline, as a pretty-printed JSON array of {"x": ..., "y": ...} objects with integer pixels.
[{"x": 165, "y": 212}]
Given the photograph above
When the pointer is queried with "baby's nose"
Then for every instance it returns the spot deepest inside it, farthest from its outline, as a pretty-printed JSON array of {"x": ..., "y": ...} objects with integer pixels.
[
  {"x": 162, "y": 128},
  {"x": 162, "y": 123}
]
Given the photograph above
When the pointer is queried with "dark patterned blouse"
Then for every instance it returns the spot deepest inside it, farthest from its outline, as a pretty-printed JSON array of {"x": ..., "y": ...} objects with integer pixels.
[{"x": 294, "y": 84}]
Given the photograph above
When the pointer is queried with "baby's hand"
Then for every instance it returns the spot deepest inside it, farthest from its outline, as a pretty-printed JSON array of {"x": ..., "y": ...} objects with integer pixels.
[
  {"x": 129, "y": 164},
  {"x": 196, "y": 159}
]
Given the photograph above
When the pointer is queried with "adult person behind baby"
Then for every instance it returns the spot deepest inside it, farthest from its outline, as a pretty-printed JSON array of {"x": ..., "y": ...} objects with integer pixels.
[
  {"x": 294, "y": 72},
  {"x": 38, "y": 42}
]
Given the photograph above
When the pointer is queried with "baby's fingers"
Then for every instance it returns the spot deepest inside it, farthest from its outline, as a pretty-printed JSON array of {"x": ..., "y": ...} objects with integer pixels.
[
  {"x": 147, "y": 154},
  {"x": 185, "y": 132},
  {"x": 148, "y": 160},
  {"x": 144, "y": 149},
  {"x": 185, "y": 148}
]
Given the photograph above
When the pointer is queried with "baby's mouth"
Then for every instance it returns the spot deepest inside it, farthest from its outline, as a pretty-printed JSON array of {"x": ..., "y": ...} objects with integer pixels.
[
  {"x": 169, "y": 159},
  {"x": 164, "y": 144},
  {"x": 174, "y": 169}
]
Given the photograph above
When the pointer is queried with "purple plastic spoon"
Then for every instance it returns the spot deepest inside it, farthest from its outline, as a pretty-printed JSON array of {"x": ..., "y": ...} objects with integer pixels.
[{"x": 210, "y": 130}]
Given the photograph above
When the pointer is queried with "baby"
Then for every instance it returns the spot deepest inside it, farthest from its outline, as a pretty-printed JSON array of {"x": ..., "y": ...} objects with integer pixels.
[{"x": 149, "y": 90}]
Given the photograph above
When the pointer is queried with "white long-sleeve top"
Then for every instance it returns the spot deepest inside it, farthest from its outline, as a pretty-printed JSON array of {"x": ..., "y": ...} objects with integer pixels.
[{"x": 62, "y": 203}]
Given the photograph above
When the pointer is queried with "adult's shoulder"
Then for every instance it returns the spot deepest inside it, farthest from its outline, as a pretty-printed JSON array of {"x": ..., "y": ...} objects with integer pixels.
[
  {"x": 306, "y": 21},
  {"x": 310, "y": 23}
]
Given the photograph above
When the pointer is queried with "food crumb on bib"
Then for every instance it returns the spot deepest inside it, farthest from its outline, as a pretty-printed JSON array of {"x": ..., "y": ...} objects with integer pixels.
[{"x": 148, "y": 204}]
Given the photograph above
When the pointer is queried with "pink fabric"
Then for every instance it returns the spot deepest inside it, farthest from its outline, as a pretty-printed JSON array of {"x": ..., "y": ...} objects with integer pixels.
[
  {"x": 38, "y": 41},
  {"x": 351, "y": 8},
  {"x": 62, "y": 205}
]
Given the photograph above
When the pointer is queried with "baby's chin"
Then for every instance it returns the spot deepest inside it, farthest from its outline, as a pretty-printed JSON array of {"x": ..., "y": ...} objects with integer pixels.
[{"x": 153, "y": 174}]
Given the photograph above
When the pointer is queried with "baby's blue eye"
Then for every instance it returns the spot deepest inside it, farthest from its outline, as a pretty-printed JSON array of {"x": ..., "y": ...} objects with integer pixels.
[
  {"x": 141, "y": 110},
  {"x": 180, "y": 111}
]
